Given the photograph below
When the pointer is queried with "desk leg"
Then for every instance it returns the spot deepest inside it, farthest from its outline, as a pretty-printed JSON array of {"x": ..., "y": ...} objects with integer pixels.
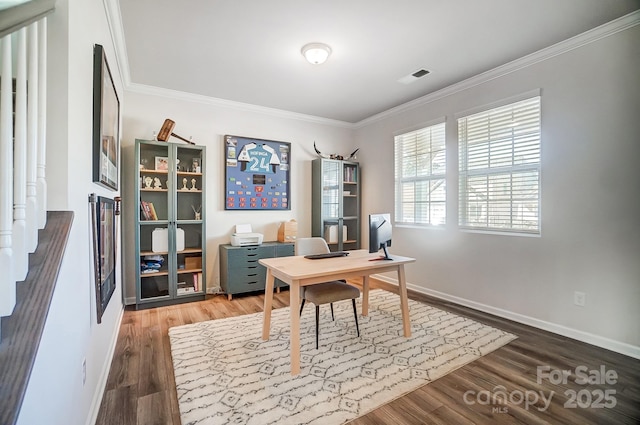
[
  {"x": 268, "y": 299},
  {"x": 404, "y": 301},
  {"x": 365, "y": 295},
  {"x": 294, "y": 313}
]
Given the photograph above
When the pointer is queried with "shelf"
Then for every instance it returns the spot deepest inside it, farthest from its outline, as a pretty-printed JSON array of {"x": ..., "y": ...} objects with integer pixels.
[
  {"x": 188, "y": 191},
  {"x": 147, "y": 222},
  {"x": 188, "y": 173},
  {"x": 347, "y": 241},
  {"x": 145, "y": 171},
  {"x": 346, "y": 182},
  {"x": 184, "y": 251},
  {"x": 189, "y": 293},
  {"x": 153, "y": 190},
  {"x": 160, "y": 273},
  {"x": 184, "y": 271}
]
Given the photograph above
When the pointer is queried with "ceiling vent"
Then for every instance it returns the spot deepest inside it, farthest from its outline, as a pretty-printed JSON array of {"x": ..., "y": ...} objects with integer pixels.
[{"x": 413, "y": 76}]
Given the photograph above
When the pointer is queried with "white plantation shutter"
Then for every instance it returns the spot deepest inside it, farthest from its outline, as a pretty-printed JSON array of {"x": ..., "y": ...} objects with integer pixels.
[
  {"x": 420, "y": 166},
  {"x": 499, "y": 155}
]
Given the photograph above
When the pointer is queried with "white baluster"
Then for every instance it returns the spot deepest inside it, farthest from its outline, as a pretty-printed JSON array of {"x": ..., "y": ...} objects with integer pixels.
[
  {"x": 41, "y": 182},
  {"x": 32, "y": 137},
  {"x": 7, "y": 281},
  {"x": 20, "y": 252}
]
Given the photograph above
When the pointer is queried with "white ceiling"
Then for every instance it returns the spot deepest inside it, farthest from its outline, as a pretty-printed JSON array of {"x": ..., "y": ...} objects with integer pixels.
[{"x": 249, "y": 51}]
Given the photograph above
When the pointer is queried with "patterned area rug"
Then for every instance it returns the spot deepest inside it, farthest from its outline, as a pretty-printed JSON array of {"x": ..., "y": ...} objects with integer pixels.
[{"x": 226, "y": 374}]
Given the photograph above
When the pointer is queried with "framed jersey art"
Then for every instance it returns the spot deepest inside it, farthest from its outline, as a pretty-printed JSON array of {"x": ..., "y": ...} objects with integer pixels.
[{"x": 256, "y": 174}]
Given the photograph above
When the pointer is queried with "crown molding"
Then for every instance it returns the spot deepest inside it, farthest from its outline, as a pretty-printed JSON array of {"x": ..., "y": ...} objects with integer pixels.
[
  {"x": 617, "y": 25},
  {"x": 114, "y": 21},
  {"x": 230, "y": 104}
]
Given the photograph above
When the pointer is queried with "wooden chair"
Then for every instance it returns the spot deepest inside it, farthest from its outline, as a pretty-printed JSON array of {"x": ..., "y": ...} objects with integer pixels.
[{"x": 327, "y": 292}]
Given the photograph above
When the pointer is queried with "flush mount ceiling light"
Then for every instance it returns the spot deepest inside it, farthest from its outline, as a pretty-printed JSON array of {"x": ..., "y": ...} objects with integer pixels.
[{"x": 316, "y": 53}]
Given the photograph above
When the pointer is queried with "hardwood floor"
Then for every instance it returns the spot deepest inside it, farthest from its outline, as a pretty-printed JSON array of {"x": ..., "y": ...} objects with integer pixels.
[{"x": 141, "y": 389}]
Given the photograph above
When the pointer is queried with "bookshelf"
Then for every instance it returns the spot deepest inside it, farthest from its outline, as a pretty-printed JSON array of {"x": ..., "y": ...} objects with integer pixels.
[
  {"x": 335, "y": 212},
  {"x": 170, "y": 224}
]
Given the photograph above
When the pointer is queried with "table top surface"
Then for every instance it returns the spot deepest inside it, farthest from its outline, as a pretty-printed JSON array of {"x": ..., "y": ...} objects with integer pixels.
[{"x": 298, "y": 267}]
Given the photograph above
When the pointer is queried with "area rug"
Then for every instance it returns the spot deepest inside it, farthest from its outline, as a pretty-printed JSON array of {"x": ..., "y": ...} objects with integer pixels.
[{"x": 226, "y": 374}]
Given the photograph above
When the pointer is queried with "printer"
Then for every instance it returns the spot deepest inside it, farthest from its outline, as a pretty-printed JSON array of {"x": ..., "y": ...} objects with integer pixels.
[{"x": 244, "y": 236}]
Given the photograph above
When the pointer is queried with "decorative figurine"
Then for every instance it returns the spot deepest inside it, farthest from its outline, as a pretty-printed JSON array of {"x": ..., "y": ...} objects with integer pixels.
[
  {"x": 193, "y": 184},
  {"x": 196, "y": 212},
  {"x": 184, "y": 184},
  {"x": 156, "y": 183},
  {"x": 147, "y": 181}
]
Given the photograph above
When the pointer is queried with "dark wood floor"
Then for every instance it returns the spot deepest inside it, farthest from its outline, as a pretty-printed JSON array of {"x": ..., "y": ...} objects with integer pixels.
[{"x": 141, "y": 388}]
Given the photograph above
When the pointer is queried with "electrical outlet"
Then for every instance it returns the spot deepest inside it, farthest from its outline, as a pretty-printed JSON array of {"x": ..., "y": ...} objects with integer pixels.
[
  {"x": 84, "y": 371},
  {"x": 579, "y": 298}
]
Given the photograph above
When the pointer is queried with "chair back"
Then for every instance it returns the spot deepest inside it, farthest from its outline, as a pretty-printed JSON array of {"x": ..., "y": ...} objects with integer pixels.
[{"x": 315, "y": 245}]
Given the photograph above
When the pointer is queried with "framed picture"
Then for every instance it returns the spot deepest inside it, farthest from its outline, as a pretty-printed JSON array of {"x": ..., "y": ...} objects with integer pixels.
[
  {"x": 103, "y": 216},
  {"x": 162, "y": 163},
  {"x": 106, "y": 123},
  {"x": 257, "y": 174}
]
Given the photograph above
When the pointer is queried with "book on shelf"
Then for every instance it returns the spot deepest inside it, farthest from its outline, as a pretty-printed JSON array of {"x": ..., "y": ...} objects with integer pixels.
[
  {"x": 152, "y": 209},
  {"x": 350, "y": 174},
  {"x": 185, "y": 290},
  {"x": 148, "y": 210},
  {"x": 144, "y": 212},
  {"x": 197, "y": 281}
]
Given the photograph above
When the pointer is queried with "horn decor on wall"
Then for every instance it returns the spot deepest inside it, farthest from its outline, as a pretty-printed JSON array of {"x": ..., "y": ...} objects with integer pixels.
[{"x": 335, "y": 156}]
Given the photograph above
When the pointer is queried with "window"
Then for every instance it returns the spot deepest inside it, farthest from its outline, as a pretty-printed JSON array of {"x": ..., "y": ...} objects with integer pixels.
[
  {"x": 420, "y": 166},
  {"x": 499, "y": 154}
]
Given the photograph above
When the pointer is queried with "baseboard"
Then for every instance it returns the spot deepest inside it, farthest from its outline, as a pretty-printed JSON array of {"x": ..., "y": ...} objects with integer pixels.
[
  {"x": 130, "y": 301},
  {"x": 102, "y": 381},
  {"x": 589, "y": 338}
]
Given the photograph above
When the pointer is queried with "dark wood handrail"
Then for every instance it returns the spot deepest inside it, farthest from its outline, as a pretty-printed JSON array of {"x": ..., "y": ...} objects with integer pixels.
[{"x": 22, "y": 331}]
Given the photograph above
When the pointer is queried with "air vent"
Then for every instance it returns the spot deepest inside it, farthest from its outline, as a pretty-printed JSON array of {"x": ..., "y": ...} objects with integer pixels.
[
  {"x": 413, "y": 76},
  {"x": 420, "y": 73}
]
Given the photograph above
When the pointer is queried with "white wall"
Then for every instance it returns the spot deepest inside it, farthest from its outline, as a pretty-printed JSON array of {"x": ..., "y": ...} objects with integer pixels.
[
  {"x": 590, "y": 238},
  {"x": 207, "y": 123},
  {"x": 55, "y": 393}
]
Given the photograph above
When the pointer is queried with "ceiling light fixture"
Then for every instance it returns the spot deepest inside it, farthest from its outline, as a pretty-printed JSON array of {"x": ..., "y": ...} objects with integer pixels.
[{"x": 316, "y": 53}]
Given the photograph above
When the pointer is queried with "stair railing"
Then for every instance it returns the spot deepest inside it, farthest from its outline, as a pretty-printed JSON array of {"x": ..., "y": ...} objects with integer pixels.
[{"x": 23, "y": 186}]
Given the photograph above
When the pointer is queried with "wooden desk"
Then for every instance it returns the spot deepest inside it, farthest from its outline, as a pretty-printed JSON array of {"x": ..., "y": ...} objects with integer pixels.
[{"x": 299, "y": 271}]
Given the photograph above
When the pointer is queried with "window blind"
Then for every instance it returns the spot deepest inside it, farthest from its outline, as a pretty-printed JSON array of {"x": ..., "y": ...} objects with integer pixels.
[
  {"x": 420, "y": 167},
  {"x": 499, "y": 158}
]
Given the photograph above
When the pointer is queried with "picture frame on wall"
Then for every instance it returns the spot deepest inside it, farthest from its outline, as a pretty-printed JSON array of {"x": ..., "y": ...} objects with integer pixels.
[
  {"x": 106, "y": 123},
  {"x": 257, "y": 174},
  {"x": 103, "y": 224}
]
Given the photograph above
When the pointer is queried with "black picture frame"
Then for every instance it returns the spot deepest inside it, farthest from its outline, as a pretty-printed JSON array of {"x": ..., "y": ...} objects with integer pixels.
[
  {"x": 106, "y": 123},
  {"x": 104, "y": 250},
  {"x": 257, "y": 174}
]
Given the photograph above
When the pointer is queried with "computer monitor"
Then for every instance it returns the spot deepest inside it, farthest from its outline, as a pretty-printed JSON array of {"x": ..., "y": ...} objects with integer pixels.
[{"x": 380, "y": 234}]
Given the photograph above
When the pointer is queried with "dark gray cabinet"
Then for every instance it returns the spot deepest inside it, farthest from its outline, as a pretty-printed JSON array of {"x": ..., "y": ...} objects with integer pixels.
[
  {"x": 170, "y": 224},
  {"x": 335, "y": 198},
  {"x": 240, "y": 271}
]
